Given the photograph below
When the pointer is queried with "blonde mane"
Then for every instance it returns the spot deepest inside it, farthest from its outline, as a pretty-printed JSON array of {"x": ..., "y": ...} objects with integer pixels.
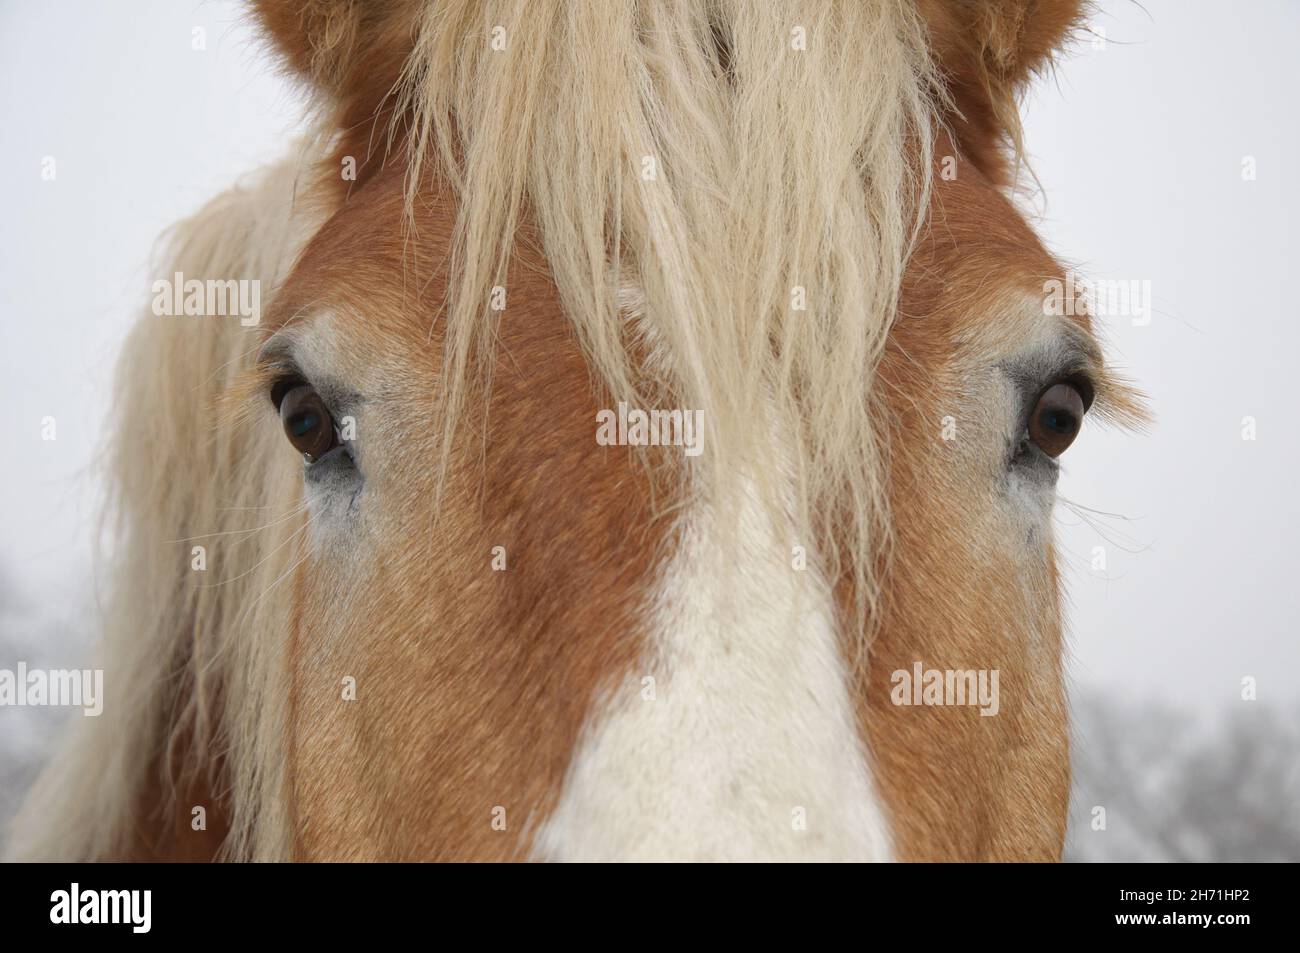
[
  {"x": 756, "y": 176},
  {"x": 788, "y": 152},
  {"x": 194, "y": 660}
]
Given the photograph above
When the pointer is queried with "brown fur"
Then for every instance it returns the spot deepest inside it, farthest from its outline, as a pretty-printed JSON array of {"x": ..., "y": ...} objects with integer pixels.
[{"x": 164, "y": 829}]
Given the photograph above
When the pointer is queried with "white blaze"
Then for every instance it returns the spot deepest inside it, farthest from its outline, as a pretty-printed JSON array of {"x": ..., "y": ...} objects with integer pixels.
[{"x": 748, "y": 748}]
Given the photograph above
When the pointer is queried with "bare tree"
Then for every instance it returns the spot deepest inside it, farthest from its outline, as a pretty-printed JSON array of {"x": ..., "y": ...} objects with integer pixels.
[{"x": 1175, "y": 787}]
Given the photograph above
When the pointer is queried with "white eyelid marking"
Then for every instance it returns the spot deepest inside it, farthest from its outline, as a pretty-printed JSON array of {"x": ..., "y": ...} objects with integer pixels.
[{"x": 279, "y": 348}]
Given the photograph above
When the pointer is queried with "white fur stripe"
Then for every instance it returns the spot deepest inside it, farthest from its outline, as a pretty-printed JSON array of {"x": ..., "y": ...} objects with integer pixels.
[{"x": 750, "y": 730}]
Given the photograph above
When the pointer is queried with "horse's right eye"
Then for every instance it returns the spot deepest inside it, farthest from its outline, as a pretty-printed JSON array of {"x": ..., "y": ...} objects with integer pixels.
[
  {"x": 1057, "y": 417},
  {"x": 306, "y": 421}
]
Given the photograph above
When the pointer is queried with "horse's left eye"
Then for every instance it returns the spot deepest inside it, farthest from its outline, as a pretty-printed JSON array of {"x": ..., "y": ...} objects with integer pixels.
[
  {"x": 306, "y": 421},
  {"x": 1056, "y": 418}
]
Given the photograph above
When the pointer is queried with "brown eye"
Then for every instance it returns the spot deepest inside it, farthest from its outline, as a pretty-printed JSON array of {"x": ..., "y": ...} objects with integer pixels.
[
  {"x": 306, "y": 422},
  {"x": 1056, "y": 419}
]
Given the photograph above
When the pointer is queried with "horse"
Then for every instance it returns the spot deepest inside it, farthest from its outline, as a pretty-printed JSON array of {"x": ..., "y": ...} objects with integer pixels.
[{"x": 645, "y": 450}]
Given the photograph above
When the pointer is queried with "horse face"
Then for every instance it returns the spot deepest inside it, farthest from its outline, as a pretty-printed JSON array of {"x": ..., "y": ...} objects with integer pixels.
[
  {"x": 447, "y": 658},
  {"x": 516, "y": 648}
]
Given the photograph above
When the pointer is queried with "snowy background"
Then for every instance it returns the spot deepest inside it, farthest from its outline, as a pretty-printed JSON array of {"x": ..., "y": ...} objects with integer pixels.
[{"x": 1138, "y": 142}]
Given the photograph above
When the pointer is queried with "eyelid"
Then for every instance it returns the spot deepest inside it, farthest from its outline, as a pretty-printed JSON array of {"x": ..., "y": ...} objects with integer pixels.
[
  {"x": 277, "y": 349},
  {"x": 288, "y": 377},
  {"x": 280, "y": 366},
  {"x": 284, "y": 376},
  {"x": 1032, "y": 378},
  {"x": 1081, "y": 380}
]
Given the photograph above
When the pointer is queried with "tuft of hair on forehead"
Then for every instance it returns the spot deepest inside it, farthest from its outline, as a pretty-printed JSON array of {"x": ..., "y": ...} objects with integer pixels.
[{"x": 755, "y": 172}]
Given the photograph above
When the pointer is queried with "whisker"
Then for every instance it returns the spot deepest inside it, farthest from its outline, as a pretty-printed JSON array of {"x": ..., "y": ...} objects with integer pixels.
[
  {"x": 1120, "y": 540},
  {"x": 243, "y": 532},
  {"x": 287, "y": 540},
  {"x": 279, "y": 579}
]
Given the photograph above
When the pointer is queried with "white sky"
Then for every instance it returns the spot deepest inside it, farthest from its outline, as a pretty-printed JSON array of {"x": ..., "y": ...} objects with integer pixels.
[{"x": 1138, "y": 146}]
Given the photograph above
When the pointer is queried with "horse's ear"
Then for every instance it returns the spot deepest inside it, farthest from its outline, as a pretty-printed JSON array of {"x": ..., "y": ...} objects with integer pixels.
[
  {"x": 988, "y": 51},
  {"x": 349, "y": 51}
]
